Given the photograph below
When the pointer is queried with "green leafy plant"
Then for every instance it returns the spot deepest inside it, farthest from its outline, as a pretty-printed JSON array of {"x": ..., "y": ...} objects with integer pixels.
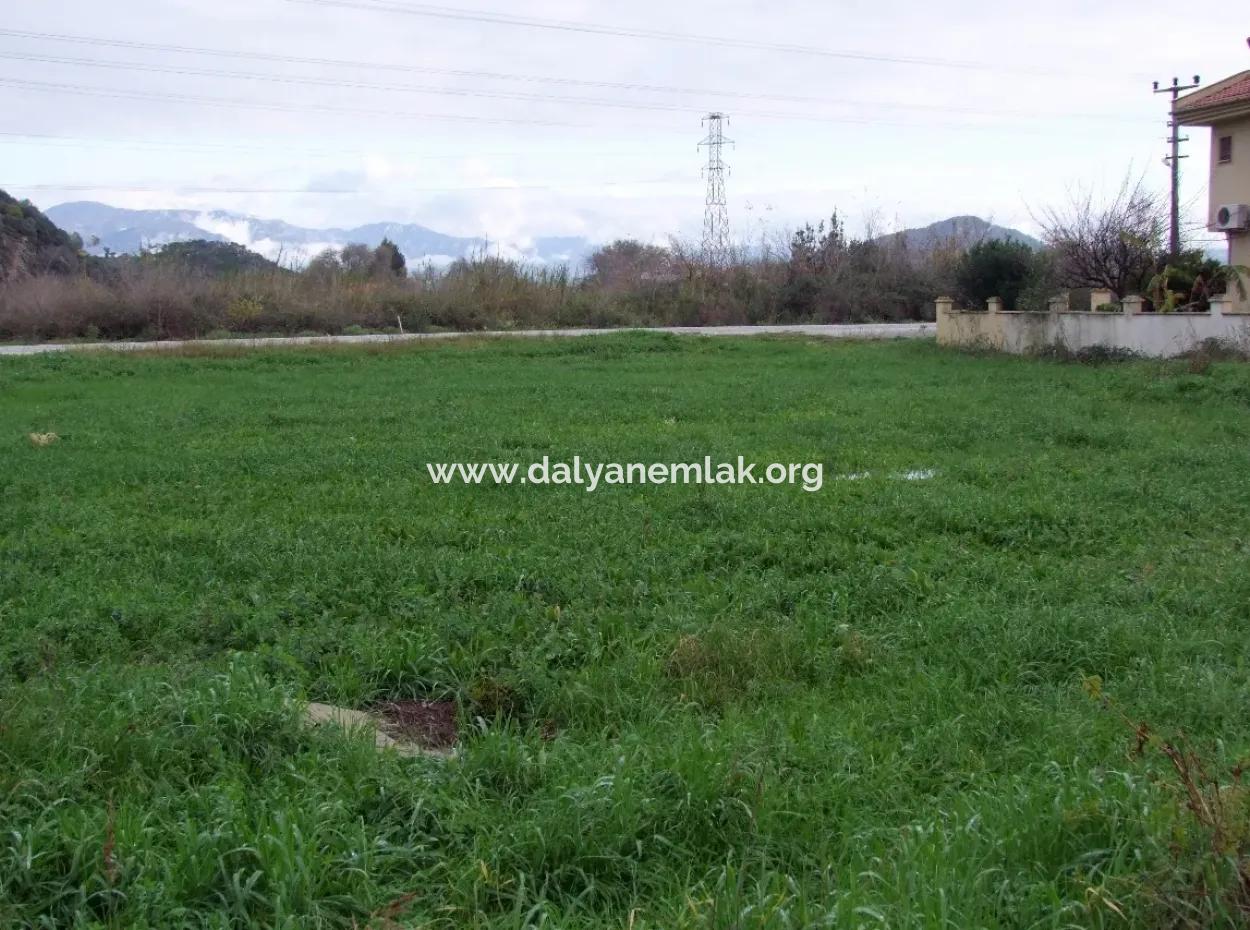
[
  {"x": 1189, "y": 283},
  {"x": 995, "y": 268}
]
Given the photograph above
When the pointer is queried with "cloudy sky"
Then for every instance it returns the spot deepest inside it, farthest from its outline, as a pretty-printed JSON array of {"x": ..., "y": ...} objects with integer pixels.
[{"x": 581, "y": 117}]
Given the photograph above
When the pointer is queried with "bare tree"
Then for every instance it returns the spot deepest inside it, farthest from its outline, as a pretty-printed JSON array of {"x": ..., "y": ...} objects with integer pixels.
[
  {"x": 627, "y": 263},
  {"x": 325, "y": 266},
  {"x": 1113, "y": 245},
  {"x": 356, "y": 259}
]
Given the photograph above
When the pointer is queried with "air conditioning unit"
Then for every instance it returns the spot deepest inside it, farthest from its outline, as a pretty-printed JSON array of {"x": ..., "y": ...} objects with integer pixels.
[{"x": 1232, "y": 216}]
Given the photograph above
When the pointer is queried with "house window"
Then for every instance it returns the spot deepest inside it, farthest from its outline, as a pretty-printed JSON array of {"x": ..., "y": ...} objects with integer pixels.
[{"x": 1226, "y": 149}]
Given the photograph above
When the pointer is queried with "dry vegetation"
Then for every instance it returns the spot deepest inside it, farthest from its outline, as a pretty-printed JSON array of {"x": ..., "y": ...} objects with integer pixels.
[
  {"x": 158, "y": 300},
  {"x": 819, "y": 276}
]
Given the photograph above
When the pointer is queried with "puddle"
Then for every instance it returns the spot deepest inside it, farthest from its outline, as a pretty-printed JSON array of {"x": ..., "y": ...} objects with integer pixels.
[
  {"x": 919, "y": 474},
  {"x": 923, "y": 474}
]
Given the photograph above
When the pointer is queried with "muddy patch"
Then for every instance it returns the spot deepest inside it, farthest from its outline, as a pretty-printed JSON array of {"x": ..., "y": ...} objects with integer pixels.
[{"x": 429, "y": 724}]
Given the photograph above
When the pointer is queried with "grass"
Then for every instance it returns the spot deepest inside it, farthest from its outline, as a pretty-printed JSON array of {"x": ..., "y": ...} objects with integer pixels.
[{"x": 682, "y": 707}]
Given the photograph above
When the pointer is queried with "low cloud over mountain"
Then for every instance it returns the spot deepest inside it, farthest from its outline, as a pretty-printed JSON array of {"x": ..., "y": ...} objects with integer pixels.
[{"x": 118, "y": 230}]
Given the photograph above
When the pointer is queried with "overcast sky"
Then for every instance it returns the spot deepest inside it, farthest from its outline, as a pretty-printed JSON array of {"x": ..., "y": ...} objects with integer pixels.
[{"x": 1010, "y": 105}]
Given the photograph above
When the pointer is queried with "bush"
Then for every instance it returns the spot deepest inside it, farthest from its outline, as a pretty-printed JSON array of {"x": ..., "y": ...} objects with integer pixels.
[{"x": 995, "y": 269}]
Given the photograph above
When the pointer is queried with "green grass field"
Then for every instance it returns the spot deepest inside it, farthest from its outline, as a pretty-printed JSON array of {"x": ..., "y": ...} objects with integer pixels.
[{"x": 720, "y": 707}]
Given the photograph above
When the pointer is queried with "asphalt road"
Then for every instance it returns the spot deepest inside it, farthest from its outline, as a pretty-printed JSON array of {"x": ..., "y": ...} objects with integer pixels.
[{"x": 834, "y": 331}]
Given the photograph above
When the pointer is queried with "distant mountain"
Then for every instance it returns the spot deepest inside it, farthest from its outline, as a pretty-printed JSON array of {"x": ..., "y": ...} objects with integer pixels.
[
  {"x": 129, "y": 231},
  {"x": 962, "y": 231}
]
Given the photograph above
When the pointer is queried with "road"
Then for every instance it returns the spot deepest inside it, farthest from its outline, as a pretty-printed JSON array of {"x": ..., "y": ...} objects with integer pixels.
[{"x": 834, "y": 331}]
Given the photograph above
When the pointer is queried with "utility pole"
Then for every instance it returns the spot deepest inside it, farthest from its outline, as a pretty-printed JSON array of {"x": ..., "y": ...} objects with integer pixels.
[
  {"x": 1174, "y": 160},
  {"x": 716, "y": 209}
]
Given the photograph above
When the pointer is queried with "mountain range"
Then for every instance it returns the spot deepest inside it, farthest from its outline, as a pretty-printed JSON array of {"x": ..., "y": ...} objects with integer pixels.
[{"x": 106, "y": 229}]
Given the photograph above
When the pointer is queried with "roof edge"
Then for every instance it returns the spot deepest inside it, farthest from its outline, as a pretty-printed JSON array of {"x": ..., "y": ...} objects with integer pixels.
[
  {"x": 1209, "y": 103},
  {"x": 1214, "y": 114}
]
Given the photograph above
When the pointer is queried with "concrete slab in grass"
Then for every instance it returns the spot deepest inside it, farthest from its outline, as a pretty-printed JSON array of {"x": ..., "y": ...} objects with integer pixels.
[{"x": 358, "y": 720}]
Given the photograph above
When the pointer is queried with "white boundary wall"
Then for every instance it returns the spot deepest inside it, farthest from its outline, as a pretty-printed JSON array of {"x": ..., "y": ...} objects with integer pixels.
[{"x": 1153, "y": 334}]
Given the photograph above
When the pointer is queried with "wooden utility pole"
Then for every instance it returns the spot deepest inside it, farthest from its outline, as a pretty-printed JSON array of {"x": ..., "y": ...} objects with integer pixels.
[{"x": 1174, "y": 160}]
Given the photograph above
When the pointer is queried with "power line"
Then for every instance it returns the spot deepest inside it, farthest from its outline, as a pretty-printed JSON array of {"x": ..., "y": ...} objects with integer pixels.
[
  {"x": 333, "y": 82},
  {"x": 30, "y": 138},
  {"x": 81, "y": 89},
  {"x": 394, "y": 88},
  {"x": 179, "y": 189},
  {"x": 96, "y": 41},
  {"x": 425, "y": 89},
  {"x": 533, "y": 22}
]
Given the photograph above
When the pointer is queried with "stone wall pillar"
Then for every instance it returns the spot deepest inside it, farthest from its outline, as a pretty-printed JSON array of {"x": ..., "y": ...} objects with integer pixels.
[
  {"x": 994, "y": 305},
  {"x": 1099, "y": 296},
  {"x": 1132, "y": 304}
]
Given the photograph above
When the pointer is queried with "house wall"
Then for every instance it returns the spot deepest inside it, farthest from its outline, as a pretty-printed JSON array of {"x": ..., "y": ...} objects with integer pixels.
[
  {"x": 1239, "y": 251},
  {"x": 1154, "y": 334},
  {"x": 1230, "y": 183}
]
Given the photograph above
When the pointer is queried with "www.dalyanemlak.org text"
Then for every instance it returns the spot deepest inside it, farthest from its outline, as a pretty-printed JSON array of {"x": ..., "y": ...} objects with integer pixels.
[{"x": 810, "y": 476}]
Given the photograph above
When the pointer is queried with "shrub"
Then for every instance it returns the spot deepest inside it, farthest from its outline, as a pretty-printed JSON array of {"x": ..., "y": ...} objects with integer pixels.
[
  {"x": 243, "y": 311},
  {"x": 995, "y": 269}
]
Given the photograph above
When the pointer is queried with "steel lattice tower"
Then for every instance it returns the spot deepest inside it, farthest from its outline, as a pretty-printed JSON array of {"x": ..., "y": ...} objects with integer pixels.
[{"x": 716, "y": 209}]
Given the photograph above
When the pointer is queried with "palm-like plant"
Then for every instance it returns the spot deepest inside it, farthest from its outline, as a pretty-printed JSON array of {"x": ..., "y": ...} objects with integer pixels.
[{"x": 1166, "y": 300}]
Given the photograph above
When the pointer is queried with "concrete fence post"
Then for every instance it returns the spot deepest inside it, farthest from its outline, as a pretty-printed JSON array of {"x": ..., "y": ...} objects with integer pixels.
[
  {"x": 1057, "y": 304},
  {"x": 1132, "y": 304},
  {"x": 1221, "y": 305},
  {"x": 945, "y": 315},
  {"x": 994, "y": 305}
]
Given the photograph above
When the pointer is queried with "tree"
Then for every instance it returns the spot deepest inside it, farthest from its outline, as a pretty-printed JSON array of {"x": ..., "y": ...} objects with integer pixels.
[
  {"x": 1112, "y": 246},
  {"x": 325, "y": 266},
  {"x": 356, "y": 259},
  {"x": 627, "y": 262},
  {"x": 994, "y": 268},
  {"x": 813, "y": 250},
  {"x": 209, "y": 258},
  {"x": 388, "y": 261}
]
